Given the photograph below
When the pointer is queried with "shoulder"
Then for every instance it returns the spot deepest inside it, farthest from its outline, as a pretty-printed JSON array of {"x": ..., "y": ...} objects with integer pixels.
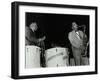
[
  {"x": 70, "y": 33},
  {"x": 27, "y": 29}
]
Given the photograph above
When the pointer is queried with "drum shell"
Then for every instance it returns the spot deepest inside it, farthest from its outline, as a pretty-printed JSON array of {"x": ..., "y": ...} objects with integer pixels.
[
  {"x": 57, "y": 57},
  {"x": 32, "y": 56}
]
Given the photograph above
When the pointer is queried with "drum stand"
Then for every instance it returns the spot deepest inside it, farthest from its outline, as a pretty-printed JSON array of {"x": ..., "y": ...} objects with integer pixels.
[
  {"x": 42, "y": 58},
  {"x": 42, "y": 54}
]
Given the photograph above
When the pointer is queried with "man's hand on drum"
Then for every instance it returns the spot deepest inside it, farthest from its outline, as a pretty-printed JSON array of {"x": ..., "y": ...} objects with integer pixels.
[{"x": 42, "y": 39}]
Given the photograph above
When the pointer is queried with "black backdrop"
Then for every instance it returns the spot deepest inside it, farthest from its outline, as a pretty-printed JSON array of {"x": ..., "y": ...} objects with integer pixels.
[{"x": 56, "y": 26}]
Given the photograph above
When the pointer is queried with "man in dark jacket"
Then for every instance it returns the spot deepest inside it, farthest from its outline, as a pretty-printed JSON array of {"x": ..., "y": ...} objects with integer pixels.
[{"x": 30, "y": 37}]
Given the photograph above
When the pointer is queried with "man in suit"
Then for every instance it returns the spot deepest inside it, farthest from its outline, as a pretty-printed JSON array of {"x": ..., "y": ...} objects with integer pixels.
[{"x": 76, "y": 40}]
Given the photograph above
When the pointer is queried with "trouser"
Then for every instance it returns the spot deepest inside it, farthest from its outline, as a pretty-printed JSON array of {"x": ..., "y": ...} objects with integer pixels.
[{"x": 77, "y": 56}]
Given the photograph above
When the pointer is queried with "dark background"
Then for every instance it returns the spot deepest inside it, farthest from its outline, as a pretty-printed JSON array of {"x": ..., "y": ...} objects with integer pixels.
[{"x": 56, "y": 26}]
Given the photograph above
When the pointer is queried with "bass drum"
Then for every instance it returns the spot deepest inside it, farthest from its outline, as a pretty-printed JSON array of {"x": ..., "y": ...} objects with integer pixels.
[
  {"x": 56, "y": 57},
  {"x": 32, "y": 56}
]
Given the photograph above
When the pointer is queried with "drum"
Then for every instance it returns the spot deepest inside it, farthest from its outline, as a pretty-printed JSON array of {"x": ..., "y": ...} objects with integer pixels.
[
  {"x": 32, "y": 56},
  {"x": 56, "y": 57}
]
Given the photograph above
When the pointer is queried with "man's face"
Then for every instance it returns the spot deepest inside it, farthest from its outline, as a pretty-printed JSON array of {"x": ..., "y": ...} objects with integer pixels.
[
  {"x": 74, "y": 26},
  {"x": 33, "y": 26}
]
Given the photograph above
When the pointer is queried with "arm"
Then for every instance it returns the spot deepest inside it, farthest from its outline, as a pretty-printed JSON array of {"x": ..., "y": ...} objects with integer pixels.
[
  {"x": 72, "y": 41},
  {"x": 30, "y": 37},
  {"x": 74, "y": 44}
]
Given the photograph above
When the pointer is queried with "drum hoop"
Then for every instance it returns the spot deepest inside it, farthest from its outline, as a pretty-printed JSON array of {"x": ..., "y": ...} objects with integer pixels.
[{"x": 33, "y": 46}]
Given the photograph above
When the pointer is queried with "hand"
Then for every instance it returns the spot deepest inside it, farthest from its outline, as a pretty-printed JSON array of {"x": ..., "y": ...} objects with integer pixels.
[
  {"x": 82, "y": 47},
  {"x": 42, "y": 39}
]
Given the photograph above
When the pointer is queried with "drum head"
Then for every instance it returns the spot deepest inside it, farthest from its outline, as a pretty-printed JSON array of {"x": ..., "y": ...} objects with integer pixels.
[{"x": 57, "y": 57}]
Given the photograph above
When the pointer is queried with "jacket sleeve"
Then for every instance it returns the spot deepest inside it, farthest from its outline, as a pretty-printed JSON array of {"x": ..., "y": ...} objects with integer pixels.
[
  {"x": 72, "y": 41},
  {"x": 30, "y": 37}
]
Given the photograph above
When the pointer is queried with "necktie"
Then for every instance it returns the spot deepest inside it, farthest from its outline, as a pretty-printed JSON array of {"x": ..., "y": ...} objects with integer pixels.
[{"x": 78, "y": 35}]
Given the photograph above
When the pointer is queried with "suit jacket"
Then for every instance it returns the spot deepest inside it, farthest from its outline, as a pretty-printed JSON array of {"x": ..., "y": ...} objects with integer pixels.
[
  {"x": 30, "y": 37},
  {"x": 74, "y": 40}
]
